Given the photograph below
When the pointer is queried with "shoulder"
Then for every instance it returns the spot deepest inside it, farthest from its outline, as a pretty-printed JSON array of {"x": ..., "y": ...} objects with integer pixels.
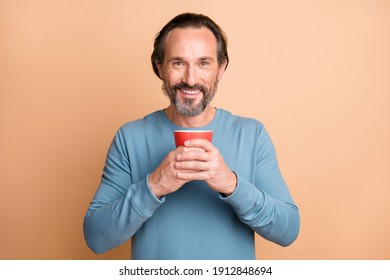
[
  {"x": 238, "y": 121},
  {"x": 247, "y": 128},
  {"x": 140, "y": 124}
]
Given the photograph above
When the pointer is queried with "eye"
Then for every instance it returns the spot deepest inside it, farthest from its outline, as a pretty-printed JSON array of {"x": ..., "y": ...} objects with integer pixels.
[
  {"x": 205, "y": 63},
  {"x": 177, "y": 63}
]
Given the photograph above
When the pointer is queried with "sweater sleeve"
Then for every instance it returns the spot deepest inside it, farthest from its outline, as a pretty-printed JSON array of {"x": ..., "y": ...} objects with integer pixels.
[
  {"x": 266, "y": 205},
  {"x": 120, "y": 206}
]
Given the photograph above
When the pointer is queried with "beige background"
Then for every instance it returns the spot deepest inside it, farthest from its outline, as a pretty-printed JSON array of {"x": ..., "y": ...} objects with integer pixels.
[{"x": 316, "y": 73}]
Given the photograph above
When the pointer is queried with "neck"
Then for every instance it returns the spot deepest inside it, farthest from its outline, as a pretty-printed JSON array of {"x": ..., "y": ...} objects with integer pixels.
[{"x": 202, "y": 119}]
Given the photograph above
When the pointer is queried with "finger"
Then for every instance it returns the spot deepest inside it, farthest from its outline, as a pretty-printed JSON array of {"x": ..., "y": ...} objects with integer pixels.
[
  {"x": 186, "y": 149},
  {"x": 200, "y": 143},
  {"x": 181, "y": 150},
  {"x": 193, "y": 155},
  {"x": 192, "y": 165},
  {"x": 191, "y": 176},
  {"x": 192, "y": 149}
]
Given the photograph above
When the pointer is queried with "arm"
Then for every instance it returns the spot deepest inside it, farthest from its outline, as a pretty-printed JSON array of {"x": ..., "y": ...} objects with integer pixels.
[
  {"x": 120, "y": 206},
  {"x": 266, "y": 206},
  {"x": 271, "y": 218}
]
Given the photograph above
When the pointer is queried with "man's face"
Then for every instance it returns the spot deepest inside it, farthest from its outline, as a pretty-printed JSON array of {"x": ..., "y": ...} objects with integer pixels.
[{"x": 190, "y": 69}]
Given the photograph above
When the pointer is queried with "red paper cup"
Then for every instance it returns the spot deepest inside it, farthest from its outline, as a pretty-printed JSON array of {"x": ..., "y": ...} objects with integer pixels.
[{"x": 183, "y": 135}]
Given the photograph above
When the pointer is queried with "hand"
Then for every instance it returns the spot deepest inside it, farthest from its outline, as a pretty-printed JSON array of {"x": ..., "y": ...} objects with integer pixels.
[
  {"x": 200, "y": 160},
  {"x": 164, "y": 180}
]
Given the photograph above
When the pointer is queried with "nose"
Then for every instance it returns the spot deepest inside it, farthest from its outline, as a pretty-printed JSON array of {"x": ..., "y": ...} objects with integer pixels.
[{"x": 190, "y": 75}]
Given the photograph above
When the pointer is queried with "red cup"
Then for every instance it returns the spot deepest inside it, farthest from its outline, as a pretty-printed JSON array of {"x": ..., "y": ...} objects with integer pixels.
[{"x": 183, "y": 135}]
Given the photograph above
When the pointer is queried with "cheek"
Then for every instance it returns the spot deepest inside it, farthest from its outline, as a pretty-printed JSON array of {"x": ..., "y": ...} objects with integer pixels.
[
  {"x": 173, "y": 77},
  {"x": 209, "y": 75},
  {"x": 211, "y": 80}
]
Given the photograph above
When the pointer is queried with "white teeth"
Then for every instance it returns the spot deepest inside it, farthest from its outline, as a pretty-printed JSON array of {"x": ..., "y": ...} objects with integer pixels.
[{"x": 191, "y": 92}]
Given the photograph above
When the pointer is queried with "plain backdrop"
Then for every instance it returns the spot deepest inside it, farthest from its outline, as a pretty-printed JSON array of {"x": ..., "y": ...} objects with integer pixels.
[{"x": 315, "y": 73}]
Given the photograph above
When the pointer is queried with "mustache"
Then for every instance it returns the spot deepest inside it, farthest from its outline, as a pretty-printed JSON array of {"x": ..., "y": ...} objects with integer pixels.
[{"x": 184, "y": 86}]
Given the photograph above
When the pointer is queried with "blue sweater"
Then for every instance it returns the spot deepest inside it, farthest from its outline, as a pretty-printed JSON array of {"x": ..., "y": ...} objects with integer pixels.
[{"x": 194, "y": 222}]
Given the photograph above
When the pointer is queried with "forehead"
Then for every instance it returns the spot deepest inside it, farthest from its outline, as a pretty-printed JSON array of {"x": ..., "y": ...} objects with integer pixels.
[{"x": 185, "y": 42}]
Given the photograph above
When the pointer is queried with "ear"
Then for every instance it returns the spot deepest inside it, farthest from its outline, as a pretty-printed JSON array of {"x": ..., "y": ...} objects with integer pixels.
[
  {"x": 221, "y": 70},
  {"x": 159, "y": 68}
]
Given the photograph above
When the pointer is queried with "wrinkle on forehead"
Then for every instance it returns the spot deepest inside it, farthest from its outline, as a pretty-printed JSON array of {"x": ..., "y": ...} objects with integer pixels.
[{"x": 191, "y": 43}]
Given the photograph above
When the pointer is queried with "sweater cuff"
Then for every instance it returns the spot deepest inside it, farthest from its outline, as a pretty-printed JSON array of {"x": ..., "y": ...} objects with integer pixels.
[
  {"x": 244, "y": 196},
  {"x": 145, "y": 200}
]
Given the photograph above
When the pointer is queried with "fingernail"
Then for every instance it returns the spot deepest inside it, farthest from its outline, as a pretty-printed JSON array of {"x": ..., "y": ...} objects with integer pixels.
[
  {"x": 187, "y": 143},
  {"x": 179, "y": 156}
]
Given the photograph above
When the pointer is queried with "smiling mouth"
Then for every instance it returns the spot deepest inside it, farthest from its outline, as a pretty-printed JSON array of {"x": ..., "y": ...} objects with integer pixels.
[{"x": 190, "y": 91}]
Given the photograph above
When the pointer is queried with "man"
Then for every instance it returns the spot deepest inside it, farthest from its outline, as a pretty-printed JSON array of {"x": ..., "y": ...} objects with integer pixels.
[{"x": 202, "y": 200}]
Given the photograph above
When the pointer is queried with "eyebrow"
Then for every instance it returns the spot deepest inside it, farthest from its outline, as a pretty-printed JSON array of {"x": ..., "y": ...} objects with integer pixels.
[
  {"x": 175, "y": 58},
  {"x": 207, "y": 58},
  {"x": 203, "y": 58}
]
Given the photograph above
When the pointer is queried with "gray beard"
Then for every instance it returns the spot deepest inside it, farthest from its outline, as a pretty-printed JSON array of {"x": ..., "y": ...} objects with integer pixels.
[{"x": 187, "y": 109}]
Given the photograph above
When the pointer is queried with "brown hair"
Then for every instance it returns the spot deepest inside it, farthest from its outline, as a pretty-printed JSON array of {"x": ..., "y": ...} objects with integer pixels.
[{"x": 186, "y": 20}]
